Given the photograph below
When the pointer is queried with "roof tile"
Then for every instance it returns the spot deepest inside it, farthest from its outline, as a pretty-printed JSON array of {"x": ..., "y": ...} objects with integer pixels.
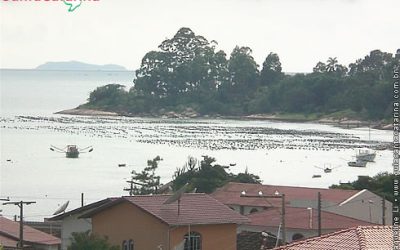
[
  {"x": 31, "y": 235},
  {"x": 300, "y": 218},
  {"x": 356, "y": 238},
  {"x": 230, "y": 194},
  {"x": 193, "y": 209}
]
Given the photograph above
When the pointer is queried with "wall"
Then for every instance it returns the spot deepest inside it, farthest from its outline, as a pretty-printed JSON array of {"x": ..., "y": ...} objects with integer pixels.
[
  {"x": 126, "y": 221},
  {"x": 213, "y": 237},
  {"x": 73, "y": 224}
]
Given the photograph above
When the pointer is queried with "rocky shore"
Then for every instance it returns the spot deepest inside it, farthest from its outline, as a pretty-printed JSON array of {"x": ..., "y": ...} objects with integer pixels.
[
  {"x": 86, "y": 112},
  {"x": 189, "y": 113}
]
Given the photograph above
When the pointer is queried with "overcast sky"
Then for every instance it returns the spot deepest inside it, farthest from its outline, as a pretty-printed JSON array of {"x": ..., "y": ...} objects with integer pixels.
[{"x": 302, "y": 32}]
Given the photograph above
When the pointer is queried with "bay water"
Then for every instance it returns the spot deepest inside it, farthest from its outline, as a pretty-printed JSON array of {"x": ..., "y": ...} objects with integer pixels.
[{"x": 280, "y": 153}]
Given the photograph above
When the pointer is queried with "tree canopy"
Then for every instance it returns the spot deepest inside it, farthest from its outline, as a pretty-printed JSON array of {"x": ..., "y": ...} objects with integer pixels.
[
  {"x": 188, "y": 71},
  {"x": 206, "y": 176},
  {"x": 380, "y": 184},
  {"x": 146, "y": 181}
]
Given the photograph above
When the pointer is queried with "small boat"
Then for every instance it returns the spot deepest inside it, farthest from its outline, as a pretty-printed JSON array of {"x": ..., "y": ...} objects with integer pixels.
[
  {"x": 316, "y": 176},
  {"x": 357, "y": 163},
  {"x": 366, "y": 155},
  {"x": 71, "y": 151},
  {"x": 327, "y": 170}
]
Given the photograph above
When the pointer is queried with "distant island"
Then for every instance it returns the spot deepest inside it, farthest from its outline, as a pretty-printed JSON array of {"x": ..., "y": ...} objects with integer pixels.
[{"x": 75, "y": 65}]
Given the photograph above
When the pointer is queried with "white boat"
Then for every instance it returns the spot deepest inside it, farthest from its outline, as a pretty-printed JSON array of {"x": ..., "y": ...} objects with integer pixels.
[
  {"x": 366, "y": 155},
  {"x": 357, "y": 163}
]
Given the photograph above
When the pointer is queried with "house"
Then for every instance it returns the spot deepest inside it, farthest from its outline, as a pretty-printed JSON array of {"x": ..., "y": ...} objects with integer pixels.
[
  {"x": 361, "y": 205},
  {"x": 70, "y": 221},
  {"x": 356, "y": 238},
  {"x": 299, "y": 222},
  {"x": 33, "y": 239},
  {"x": 194, "y": 221}
]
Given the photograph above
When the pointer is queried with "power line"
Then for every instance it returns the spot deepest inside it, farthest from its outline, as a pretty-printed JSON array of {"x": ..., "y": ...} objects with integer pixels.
[{"x": 20, "y": 204}]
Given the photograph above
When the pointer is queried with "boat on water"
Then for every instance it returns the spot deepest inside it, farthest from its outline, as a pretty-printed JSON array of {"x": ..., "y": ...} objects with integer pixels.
[
  {"x": 357, "y": 163},
  {"x": 71, "y": 151},
  {"x": 366, "y": 155}
]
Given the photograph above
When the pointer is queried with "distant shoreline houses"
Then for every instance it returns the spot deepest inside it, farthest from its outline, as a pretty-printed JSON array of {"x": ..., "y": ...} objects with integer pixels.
[{"x": 201, "y": 221}]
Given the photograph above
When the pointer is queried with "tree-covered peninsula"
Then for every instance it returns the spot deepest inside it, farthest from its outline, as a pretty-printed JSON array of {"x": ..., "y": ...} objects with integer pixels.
[{"x": 188, "y": 74}]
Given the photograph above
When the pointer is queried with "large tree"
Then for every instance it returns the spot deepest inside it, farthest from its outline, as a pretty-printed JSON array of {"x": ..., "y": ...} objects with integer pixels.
[
  {"x": 271, "y": 72},
  {"x": 146, "y": 181}
]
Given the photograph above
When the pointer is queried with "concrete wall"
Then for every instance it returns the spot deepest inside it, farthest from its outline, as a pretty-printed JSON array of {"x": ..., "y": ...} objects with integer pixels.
[{"x": 73, "y": 224}]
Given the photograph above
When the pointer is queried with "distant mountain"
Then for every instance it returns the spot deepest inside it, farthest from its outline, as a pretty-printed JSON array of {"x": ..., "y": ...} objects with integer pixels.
[{"x": 75, "y": 65}]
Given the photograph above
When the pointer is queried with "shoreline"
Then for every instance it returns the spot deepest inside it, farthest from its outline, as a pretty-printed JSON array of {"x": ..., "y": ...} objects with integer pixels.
[{"x": 343, "y": 122}]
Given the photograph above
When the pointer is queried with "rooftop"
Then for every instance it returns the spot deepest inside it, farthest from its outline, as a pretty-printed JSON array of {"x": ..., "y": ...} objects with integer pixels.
[
  {"x": 300, "y": 218},
  {"x": 230, "y": 194},
  {"x": 356, "y": 238},
  {"x": 10, "y": 233},
  {"x": 81, "y": 210},
  {"x": 194, "y": 209}
]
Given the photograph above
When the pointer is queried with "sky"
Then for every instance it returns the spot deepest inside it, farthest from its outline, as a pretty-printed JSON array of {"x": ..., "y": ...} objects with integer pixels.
[{"x": 301, "y": 32}]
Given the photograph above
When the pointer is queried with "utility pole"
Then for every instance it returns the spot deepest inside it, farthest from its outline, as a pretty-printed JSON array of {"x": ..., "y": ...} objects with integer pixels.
[
  {"x": 383, "y": 210},
  {"x": 131, "y": 188},
  {"x": 82, "y": 195},
  {"x": 20, "y": 204},
  {"x": 283, "y": 210},
  {"x": 319, "y": 213}
]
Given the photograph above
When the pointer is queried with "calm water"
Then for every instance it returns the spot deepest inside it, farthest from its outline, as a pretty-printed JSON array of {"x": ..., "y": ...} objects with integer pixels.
[{"x": 280, "y": 153}]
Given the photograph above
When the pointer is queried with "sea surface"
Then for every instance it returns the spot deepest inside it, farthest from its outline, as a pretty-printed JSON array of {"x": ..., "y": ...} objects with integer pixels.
[{"x": 280, "y": 153}]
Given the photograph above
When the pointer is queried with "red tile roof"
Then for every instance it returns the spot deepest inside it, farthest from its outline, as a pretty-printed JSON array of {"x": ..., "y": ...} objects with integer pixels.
[
  {"x": 195, "y": 209},
  {"x": 299, "y": 218},
  {"x": 356, "y": 238},
  {"x": 7, "y": 241},
  {"x": 83, "y": 209},
  {"x": 230, "y": 194},
  {"x": 10, "y": 229}
]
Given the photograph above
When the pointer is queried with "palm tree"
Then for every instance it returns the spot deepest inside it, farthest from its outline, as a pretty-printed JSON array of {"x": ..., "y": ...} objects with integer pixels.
[{"x": 331, "y": 64}]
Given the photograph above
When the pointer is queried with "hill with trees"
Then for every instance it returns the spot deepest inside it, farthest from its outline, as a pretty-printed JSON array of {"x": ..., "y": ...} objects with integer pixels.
[{"x": 188, "y": 72}]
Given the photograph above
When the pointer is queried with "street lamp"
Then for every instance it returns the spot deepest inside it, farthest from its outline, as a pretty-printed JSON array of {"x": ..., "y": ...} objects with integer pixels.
[{"x": 276, "y": 196}]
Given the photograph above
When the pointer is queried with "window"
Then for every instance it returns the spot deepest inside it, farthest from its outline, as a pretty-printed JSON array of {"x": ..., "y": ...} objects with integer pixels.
[
  {"x": 131, "y": 245},
  {"x": 128, "y": 245},
  {"x": 193, "y": 241},
  {"x": 125, "y": 245}
]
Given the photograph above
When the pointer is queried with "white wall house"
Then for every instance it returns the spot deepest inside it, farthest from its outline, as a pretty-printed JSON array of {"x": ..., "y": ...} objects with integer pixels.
[{"x": 71, "y": 222}]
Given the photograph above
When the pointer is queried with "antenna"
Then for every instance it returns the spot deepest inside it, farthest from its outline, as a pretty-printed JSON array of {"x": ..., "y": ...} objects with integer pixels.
[
  {"x": 62, "y": 208},
  {"x": 177, "y": 195}
]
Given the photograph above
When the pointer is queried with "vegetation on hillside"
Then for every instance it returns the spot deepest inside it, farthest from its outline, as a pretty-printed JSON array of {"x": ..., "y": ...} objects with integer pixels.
[{"x": 189, "y": 72}]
